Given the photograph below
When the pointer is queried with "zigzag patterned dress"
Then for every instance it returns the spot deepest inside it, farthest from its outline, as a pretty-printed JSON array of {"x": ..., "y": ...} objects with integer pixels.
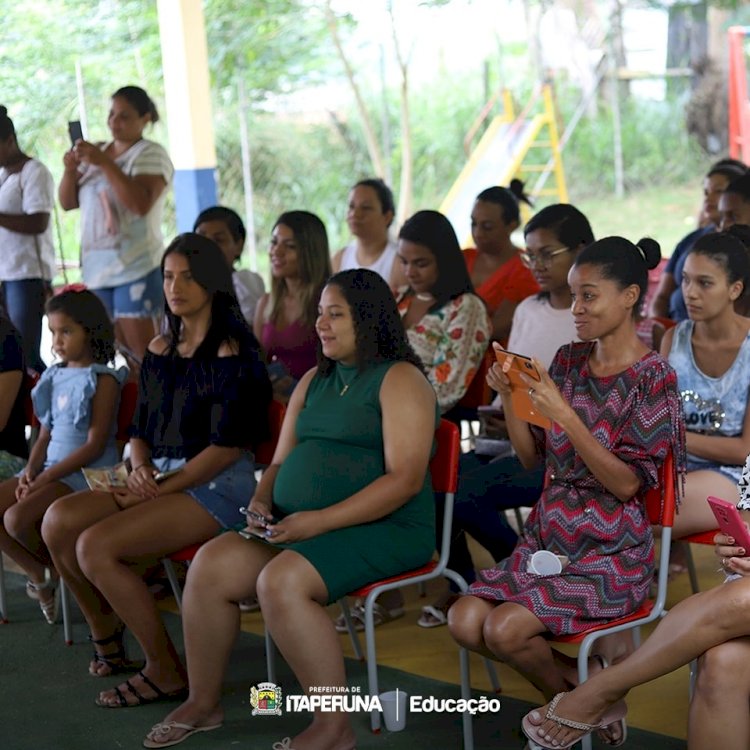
[{"x": 637, "y": 415}]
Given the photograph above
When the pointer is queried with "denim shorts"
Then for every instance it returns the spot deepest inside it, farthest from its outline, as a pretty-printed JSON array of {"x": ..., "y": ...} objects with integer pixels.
[
  {"x": 75, "y": 481},
  {"x": 223, "y": 495},
  {"x": 142, "y": 298},
  {"x": 732, "y": 473}
]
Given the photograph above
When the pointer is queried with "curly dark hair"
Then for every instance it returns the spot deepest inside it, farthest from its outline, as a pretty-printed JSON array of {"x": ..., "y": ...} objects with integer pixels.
[
  {"x": 209, "y": 268},
  {"x": 378, "y": 330},
  {"x": 86, "y": 309}
]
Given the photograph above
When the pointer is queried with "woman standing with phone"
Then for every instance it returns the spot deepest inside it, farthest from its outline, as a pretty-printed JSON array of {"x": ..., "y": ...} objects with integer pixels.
[
  {"x": 27, "y": 256},
  {"x": 120, "y": 187}
]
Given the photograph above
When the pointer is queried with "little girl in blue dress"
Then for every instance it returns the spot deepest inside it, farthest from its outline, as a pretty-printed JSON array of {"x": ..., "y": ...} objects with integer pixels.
[{"x": 76, "y": 402}]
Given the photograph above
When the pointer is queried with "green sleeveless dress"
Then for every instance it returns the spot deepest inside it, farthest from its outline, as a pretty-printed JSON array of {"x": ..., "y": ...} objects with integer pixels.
[{"x": 339, "y": 451}]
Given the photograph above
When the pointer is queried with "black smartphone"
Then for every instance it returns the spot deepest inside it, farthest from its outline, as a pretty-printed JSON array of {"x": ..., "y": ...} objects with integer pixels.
[{"x": 75, "y": 131}]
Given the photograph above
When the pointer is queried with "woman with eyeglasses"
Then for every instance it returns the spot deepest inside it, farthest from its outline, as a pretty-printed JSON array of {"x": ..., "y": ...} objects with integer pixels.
[
  {"x": 498, "y": 275},
  {"x": 542, "y": 324}
]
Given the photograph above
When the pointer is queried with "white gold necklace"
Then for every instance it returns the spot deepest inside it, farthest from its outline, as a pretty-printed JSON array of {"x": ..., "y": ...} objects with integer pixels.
[{"x": 424, "y": 297}]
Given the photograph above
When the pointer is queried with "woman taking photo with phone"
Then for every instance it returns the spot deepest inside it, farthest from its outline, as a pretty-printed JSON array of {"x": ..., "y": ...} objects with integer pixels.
[
  {"x": 120, "y": 187},
  {"x": 615, "y": 415},
  {"x": 27, "y": 256}
]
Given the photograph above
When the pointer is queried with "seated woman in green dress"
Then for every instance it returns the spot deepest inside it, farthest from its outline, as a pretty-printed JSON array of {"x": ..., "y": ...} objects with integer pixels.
[{"x": 347, "y": 500}]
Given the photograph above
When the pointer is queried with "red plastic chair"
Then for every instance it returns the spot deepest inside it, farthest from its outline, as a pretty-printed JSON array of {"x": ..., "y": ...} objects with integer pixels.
[
  {"x": 30, "y": 379},
  {"x": 263, "y": 457},
  {"x": 703, "y": 537},
  {"x": 444, "y": 471}
]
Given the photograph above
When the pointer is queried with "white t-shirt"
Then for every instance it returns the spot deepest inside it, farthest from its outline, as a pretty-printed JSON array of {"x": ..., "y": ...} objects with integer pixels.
[
  {"x": 539, "y": 330},
  {"x": 29, "y": 191},
  {"x": 117, "y": 245},
  {"x": 383, "y": 265}
]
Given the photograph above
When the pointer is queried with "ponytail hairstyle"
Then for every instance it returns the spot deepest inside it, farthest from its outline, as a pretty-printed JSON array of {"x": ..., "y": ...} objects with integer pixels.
[
  {"x": 7, "y": 130},
  {"x": 507, "y": 198},
  {"x": 139, "y": 100},
  {"x": 621, "y": 261},
  {"x": 731, "y": 251}
]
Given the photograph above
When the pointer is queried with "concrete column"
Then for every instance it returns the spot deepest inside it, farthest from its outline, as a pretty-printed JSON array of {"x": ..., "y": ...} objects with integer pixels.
[{"x": 188, "y": 99}]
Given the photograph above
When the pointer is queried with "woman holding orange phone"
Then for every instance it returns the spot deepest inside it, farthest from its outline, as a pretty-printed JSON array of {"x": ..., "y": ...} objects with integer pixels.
[{"x": 615, "y": 414}]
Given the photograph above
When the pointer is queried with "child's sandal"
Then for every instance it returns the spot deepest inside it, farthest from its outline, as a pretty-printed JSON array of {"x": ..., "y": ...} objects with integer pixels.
[{"x": 50, "y": 607}]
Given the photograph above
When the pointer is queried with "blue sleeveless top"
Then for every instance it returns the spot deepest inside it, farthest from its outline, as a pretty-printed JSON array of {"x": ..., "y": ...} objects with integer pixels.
[{"x": 712, "y": 406}]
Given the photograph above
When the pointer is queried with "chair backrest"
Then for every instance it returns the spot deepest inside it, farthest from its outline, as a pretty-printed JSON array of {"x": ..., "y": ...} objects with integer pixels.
[
  {"x": 660, "y": 501},
  {"x": 264, "y": 452},
  {"x": 478, "y": 393},
  {"x": 128, "y": 402},
  {"x": 666, "y": 322},
  {"x": 444, "y": 464},
  {"x": 30, "y": 379}
]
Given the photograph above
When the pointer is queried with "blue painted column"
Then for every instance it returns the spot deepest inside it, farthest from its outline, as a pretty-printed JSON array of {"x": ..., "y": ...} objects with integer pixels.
[{"x": 188, "y": 99}]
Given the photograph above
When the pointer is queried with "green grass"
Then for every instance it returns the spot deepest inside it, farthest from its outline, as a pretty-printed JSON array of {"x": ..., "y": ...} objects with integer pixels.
[{"x": 665, "y": 213}]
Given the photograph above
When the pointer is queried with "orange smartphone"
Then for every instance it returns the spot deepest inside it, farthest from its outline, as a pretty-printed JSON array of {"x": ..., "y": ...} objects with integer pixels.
[{"x": 523, "y": 406}]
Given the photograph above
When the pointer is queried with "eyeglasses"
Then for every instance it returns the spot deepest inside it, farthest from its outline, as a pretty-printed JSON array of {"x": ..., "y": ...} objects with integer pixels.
[{"x": 542, "y": 260}]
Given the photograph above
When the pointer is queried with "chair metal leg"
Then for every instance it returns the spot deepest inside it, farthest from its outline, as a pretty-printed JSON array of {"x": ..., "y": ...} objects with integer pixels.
[
  {"x": 492, "y": 674},
  {"x": 3, "y": 596},
  {"x": 270, "y": 657},
  {"x": 463, "y": 658},
  {"x": 372, "y": 663},
  {"x": 173, "y": 582},
  {"x": 65, "y": 606},
  {"x": 690, "y": 562},
  {"x": 352, "y": 630}
]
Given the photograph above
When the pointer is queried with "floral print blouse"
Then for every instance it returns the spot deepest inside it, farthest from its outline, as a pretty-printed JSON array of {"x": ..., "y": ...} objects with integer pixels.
[{"x": 451, "y": 343}]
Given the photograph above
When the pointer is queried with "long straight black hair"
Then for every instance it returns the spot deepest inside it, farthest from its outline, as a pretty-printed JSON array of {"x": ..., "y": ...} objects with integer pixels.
[{"x": 209, "y": 269}]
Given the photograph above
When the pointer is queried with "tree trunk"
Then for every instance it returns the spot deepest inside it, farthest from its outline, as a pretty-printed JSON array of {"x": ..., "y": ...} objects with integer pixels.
[
  {"x": 406, "y": 188},
  {"x": 373, "y": 148}
]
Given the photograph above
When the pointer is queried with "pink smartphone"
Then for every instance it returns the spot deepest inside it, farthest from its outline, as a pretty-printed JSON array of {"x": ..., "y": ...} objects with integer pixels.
[{"x": 730, "y": 521}]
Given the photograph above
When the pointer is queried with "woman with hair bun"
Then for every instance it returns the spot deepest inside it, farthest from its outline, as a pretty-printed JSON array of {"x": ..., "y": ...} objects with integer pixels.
[
  {"x": 497, "y": 272},
  {"x": 27, "y": 256},
  {"x": 615, "y": 415},
  {"x": 711, "y": 354},
  {"x": 120, "y": 187}
]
